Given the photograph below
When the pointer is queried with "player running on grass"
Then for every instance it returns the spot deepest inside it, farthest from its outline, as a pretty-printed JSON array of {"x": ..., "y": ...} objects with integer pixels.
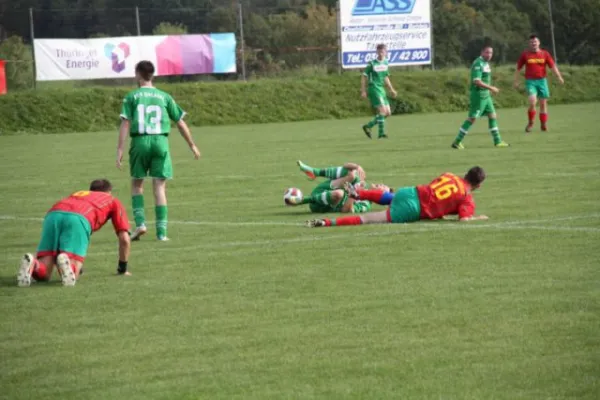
[
  {"x": 377, "y": 75},
  {"x": 447, "y": 194},
  {"x": 480, "y": 100},
  {"x": 66, "y": 235},
  {"x": 146, "y": 116},
  {"x": 535, "y": 61},
  {"x": 330, "y": 196}
]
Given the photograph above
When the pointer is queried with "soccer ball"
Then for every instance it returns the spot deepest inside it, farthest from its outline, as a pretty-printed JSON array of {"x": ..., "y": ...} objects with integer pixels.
[{"x": 292, "y": 197}]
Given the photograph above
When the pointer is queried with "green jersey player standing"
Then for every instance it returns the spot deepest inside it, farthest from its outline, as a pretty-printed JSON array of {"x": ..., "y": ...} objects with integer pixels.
[
  {"x": 377, "y": 75},
  {"x": 146, "y": 116},
  {"x": 480, "y": 99}
]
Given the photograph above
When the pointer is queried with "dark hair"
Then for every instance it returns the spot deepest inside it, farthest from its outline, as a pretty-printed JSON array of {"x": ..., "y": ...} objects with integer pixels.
[
  {"x": 145, "y": 69},
  {"x": 533, "y": 36},
  {"x": 101, "y": 185},
  {"x": 381, "y": 46},
  {"x": 475, "y": 176}
]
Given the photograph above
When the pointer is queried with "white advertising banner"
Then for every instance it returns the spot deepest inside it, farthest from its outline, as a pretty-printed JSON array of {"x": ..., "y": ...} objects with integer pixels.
[
  {"x": 116, "y": 57},
  {"x": 403, "y": 25}
]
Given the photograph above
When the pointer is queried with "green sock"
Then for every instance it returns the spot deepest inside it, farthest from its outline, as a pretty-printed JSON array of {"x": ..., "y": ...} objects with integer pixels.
[
  {"x": 381, "y": 125},
  {"x": 464, "y": 129},
  {"x": 137, "y": 203},
  {"x": 331, "y": 172},
  {"x": 494, "y": 131},
  {"x": 161, "y": 221},
  {"x": 372, "y": 122}
]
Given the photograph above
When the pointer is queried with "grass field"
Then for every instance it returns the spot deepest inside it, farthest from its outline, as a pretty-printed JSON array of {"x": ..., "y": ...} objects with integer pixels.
[{"x": 245, "y": 302}]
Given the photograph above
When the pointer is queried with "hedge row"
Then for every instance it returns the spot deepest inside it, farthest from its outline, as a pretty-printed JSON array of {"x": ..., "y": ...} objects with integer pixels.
[{"x": 274, "y": 100}]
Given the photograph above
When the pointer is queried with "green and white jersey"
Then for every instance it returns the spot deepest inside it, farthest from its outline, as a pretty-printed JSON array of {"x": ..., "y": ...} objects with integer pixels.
[
  {"x": 480, "y": 69},
  {"x": 376, "y": 71},
  {"x": 150, "y": 111}
]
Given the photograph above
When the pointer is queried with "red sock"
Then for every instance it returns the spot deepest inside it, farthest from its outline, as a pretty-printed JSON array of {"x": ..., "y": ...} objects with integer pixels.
[
  {"x": 40, "y": 271},
  {"x": 351, "y": 220},
  {"x": 373, "y": 195},
  {"x": 531, "y": 115},
  {"x": 543, "y": 118}
]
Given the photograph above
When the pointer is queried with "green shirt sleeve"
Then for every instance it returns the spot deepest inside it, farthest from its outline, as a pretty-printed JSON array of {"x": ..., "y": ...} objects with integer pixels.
[
  {"x": 127, "y": 108},
  {"x": 368, "y": 69},
  {"x": 476, "y": 71},
  {"x": 175, "y": 112}
]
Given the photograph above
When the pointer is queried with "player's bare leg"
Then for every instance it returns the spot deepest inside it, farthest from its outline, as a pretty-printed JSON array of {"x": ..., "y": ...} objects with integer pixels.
[
  {"x": 378, "y": 217},
  {"x": 137, "y": 195},
  {"x": 544, "y": 114},
  {"x": 32, "y": 268},
  {"x": 67, "y": 275},
  {"x": 532, "y": 100},
  {"x": 160, "y": 201}
]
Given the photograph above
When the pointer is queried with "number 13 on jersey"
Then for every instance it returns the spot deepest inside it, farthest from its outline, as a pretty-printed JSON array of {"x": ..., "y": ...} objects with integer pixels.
[{"x": 149, "y": 119}]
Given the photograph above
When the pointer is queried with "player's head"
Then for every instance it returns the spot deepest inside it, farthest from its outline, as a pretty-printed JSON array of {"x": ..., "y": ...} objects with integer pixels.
[
  {"x": 381, "y": 51},
  {"x": 487, "y": 52},
  {"x": 534, "y": 42},
  {"x": 101, "y": 185},
  {"x": 144, "y": 71},
  {"x": 475, "y": 177}
]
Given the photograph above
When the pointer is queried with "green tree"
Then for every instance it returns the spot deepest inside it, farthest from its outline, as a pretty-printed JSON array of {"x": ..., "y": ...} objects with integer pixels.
[{"x": 19, "y": 66}]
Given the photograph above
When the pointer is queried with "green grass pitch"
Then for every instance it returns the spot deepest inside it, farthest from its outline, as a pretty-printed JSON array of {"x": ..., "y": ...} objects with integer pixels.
[{"x": 245, "y": 302}]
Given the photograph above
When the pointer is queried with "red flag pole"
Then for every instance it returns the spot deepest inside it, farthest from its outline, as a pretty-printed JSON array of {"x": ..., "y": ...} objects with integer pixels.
[{"x": 2, "y": 78}]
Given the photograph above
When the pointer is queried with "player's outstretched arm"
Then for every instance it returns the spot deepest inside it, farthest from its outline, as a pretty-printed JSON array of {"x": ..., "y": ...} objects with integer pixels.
[
  {"x": 474, "y": 218},
  {"x": 123, "y": 131},
  {"x": 184, "y": 130},
  {"x": 124, "y": 250}
]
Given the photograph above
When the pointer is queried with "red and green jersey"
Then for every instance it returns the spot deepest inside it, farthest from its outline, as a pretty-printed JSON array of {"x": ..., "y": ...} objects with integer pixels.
[
  {"x": 447, "y": 194},
  {"x": 97, "y": 208},
  {"x": 480, "y": 70},
  {"x": 150, "y": 111},
  {"x": 535, "y": 63}
]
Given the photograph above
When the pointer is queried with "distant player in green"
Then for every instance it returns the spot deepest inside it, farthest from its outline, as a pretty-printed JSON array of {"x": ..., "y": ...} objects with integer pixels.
[
  {"x": 480, "y": 100},
  {"x": 330, "y": 196},
  {"x": 146, "y": 116},
  {"x": 376, "y": 74}
]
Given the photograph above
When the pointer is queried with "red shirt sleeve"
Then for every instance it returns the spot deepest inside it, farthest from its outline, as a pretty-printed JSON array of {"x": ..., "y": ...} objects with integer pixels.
[
  {"x": 467, "y": 208},
  {"x": 119, "y": 217},
  {"x": 522, "y": 61},
  {"x": 549, "y": 60}
]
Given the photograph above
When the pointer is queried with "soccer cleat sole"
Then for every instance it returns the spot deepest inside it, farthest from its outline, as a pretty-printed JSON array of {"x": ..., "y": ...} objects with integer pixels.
[
  {"x": 67, "y": 275},
  {"x": 367, "y": 131},
  {"x": 309, "y": 174},
  {"x": 351, "y": 190},
  {"x": 25, "y": 270},
  {"x": 315, "y": 223}
]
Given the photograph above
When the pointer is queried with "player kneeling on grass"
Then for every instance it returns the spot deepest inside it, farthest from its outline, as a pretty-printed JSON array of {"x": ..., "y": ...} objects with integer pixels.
[
  {"x": 448, "y": 194},
  {"x": 330, "y": 196},
  {"x": 66, "y": 233}
]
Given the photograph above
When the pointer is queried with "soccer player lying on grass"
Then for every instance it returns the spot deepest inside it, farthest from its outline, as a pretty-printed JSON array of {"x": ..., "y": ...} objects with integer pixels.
[
  {"x": 447, "y": 194},
  {"x": 330, "y": 196},
  {"x": 66, "y": 235}
]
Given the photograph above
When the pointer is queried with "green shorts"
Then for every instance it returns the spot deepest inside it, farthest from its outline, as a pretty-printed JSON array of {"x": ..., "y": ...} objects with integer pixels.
[
  {"x": 377, "y": 97},
  {"x": 479, "y": 107},
  {"x": 322, "y": 191},
  {"x": 538, "y": 88},
  {"x": 149, "y": 156},
  {"x": 405, "y": 206},
  {"x": 65, "y": 232}
]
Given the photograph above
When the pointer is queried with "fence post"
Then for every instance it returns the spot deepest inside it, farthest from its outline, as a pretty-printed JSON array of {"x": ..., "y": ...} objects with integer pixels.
[
  {"x": 242, "y": 44},
  {"x": 431, "y": 35},
  {"x": 137, "y": 21},
  {"x": 339, "y": 35},
  {"x": 32, "y": 34},
  {"x": 552, "y": 31}
]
